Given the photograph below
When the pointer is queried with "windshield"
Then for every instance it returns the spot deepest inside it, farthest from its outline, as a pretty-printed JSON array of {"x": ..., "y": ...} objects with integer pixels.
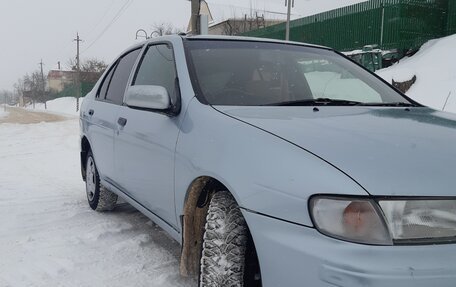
[{"x": 244, "y": 73}]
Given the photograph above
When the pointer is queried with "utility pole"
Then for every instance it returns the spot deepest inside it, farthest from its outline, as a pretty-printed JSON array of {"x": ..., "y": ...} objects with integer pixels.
[
  {"x": 42, "y": 88},
  {"x": 77, "y": 40},
  {"x": 78, "y": 71},
  {"x": 196, "y": 7},
  {"x": 382, "y": 30},
  {"x": 41, "y": 69},
  {"x": 289, "y": 4}
]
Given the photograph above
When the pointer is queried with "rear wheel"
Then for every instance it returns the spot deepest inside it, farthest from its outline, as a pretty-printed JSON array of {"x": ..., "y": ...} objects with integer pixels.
[
  {"x": 225, "y": 259},
  {"x": 99, "y": 198}
]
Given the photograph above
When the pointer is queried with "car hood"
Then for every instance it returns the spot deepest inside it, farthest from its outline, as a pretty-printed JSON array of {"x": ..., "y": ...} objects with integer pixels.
[{"x": 388, "y": 151}]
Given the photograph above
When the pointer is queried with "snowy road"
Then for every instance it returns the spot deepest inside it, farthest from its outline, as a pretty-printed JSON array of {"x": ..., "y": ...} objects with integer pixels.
[
  {"x": 48, "y": 234},
  {"x": 21, "y": 116}
]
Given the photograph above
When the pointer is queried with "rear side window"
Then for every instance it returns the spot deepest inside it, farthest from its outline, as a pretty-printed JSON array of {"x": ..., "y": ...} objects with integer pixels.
[
  {"x": 119, "y": 80},
  {"x": 104, "y": 87},
  {"x": 158, "y": 69}
]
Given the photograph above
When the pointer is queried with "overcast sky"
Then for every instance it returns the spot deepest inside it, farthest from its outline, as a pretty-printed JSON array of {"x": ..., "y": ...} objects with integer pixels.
[{"x": 32, "y": 30}]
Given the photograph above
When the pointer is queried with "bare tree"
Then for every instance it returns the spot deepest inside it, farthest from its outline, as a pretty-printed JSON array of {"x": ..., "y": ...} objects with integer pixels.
[
  {"x": 7, "y": 97},
  {"x": 161, "y": 29},
  {"x": 32, "y": 87},
  {"x": 19, "y": 89},
  {"x": 90, "y": 65},
  {"x": 91, "y": 71},
  {"x": 93, "y": 65}
]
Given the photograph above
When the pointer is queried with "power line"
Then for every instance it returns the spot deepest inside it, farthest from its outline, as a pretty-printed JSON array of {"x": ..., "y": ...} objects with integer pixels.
[
  {"x": 101, "y": 19},
  {"x": 68, "y": 44},
  {"x": 116, "y": 17}
]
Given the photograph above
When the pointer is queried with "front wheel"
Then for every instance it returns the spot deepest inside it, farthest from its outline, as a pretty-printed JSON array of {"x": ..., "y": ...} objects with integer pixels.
[
  {"x": 99, "y": 198},
  {"x": 225, "y": 244}
]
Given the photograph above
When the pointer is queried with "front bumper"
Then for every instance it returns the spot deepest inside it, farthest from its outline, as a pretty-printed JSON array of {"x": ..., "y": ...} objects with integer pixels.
[{"x": 293, "y": 255}]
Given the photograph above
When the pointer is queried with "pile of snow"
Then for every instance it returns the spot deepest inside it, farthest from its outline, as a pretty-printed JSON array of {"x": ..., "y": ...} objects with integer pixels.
[
  {"x": 435, "y": 68},
  {"x": 48, "y": 234},
  {"x": 64, "y": 106}
]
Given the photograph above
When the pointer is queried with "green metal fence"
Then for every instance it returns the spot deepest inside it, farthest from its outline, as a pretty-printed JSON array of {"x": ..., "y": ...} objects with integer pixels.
[
  {"x": 392, "y": 24},
  {"x": 451, "y": 23},
  {"x": 72, "y": 90}
]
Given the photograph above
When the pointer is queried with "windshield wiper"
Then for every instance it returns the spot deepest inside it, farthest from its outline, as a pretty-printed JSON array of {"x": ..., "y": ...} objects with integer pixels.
[
  {"x": 336, "y": 102},
  {"x": 393, "y": 104},
  {"x": 317, "y": 102}
]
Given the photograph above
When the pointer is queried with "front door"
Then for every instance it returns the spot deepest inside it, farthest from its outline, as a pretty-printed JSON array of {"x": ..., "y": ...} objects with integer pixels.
[{"x": 146, "y": 140}]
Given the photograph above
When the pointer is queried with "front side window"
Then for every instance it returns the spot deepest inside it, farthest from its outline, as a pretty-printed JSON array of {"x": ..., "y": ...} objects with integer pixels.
[
  {"x": 120, "y": 77},
  {"x": 244, "y": 73},
  {"x": 157, "y": 68}
]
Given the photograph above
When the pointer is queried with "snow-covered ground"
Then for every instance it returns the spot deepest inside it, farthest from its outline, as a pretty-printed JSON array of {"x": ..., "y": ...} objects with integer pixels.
[
  {"x": 63, "y": 106},
  {"x": 435, "y": 68},
  {"x": 48, "y": 234}
]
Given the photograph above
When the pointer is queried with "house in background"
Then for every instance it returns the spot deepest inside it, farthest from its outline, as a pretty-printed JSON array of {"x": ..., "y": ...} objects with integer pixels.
[
  {"x": 236, "y": 26},
  {"x": 65, "y": 83},
  {"x": 57, "y": 80}
]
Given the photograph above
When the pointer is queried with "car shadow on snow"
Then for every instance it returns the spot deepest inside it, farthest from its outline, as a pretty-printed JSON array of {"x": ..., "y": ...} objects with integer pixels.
[{"x": 148, "y": 244}]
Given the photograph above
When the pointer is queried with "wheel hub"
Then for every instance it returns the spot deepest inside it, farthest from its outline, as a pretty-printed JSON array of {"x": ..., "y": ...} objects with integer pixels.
[{"x": 90, "y": 179}]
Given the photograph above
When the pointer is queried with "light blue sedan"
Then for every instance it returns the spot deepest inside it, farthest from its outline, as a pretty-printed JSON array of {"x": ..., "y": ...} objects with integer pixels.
[{"x": 275, "y": 164}]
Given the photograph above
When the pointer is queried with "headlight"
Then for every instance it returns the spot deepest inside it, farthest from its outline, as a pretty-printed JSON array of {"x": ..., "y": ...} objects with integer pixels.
[
  {"x": 385, "y": 222},
  {"x": 415, "y": 221}
]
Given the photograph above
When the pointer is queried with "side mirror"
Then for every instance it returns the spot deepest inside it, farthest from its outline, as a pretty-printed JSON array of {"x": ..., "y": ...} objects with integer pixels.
[{"x": 148, "y": 97}]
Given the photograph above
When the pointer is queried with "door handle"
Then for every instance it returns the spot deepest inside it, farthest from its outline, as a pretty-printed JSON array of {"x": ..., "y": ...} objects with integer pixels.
[
  {"x": 91, "y": 112},
  {"x": 122, "y": 122}
]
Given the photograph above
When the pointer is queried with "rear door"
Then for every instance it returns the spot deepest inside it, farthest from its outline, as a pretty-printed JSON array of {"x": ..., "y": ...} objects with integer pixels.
[
  {"x": 145, "y": 145},
  {"x": 103, "y": 113}
]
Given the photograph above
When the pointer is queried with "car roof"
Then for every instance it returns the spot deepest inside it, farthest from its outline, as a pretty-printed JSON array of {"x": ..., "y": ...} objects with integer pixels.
[
  {"x": 255, "y": 39},
  {"x": 224, "y": 38}
]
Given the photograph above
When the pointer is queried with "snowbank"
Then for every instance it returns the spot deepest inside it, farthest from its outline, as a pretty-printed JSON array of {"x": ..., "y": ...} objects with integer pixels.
[
  {"x": 435, "y": 68},
  {"x": 65, "y": 106}
]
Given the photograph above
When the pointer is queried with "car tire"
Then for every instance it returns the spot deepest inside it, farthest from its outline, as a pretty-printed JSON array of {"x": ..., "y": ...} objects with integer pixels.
[
  {"x": 99, "y": 198},
  {"x": 224, "y": 243}
]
